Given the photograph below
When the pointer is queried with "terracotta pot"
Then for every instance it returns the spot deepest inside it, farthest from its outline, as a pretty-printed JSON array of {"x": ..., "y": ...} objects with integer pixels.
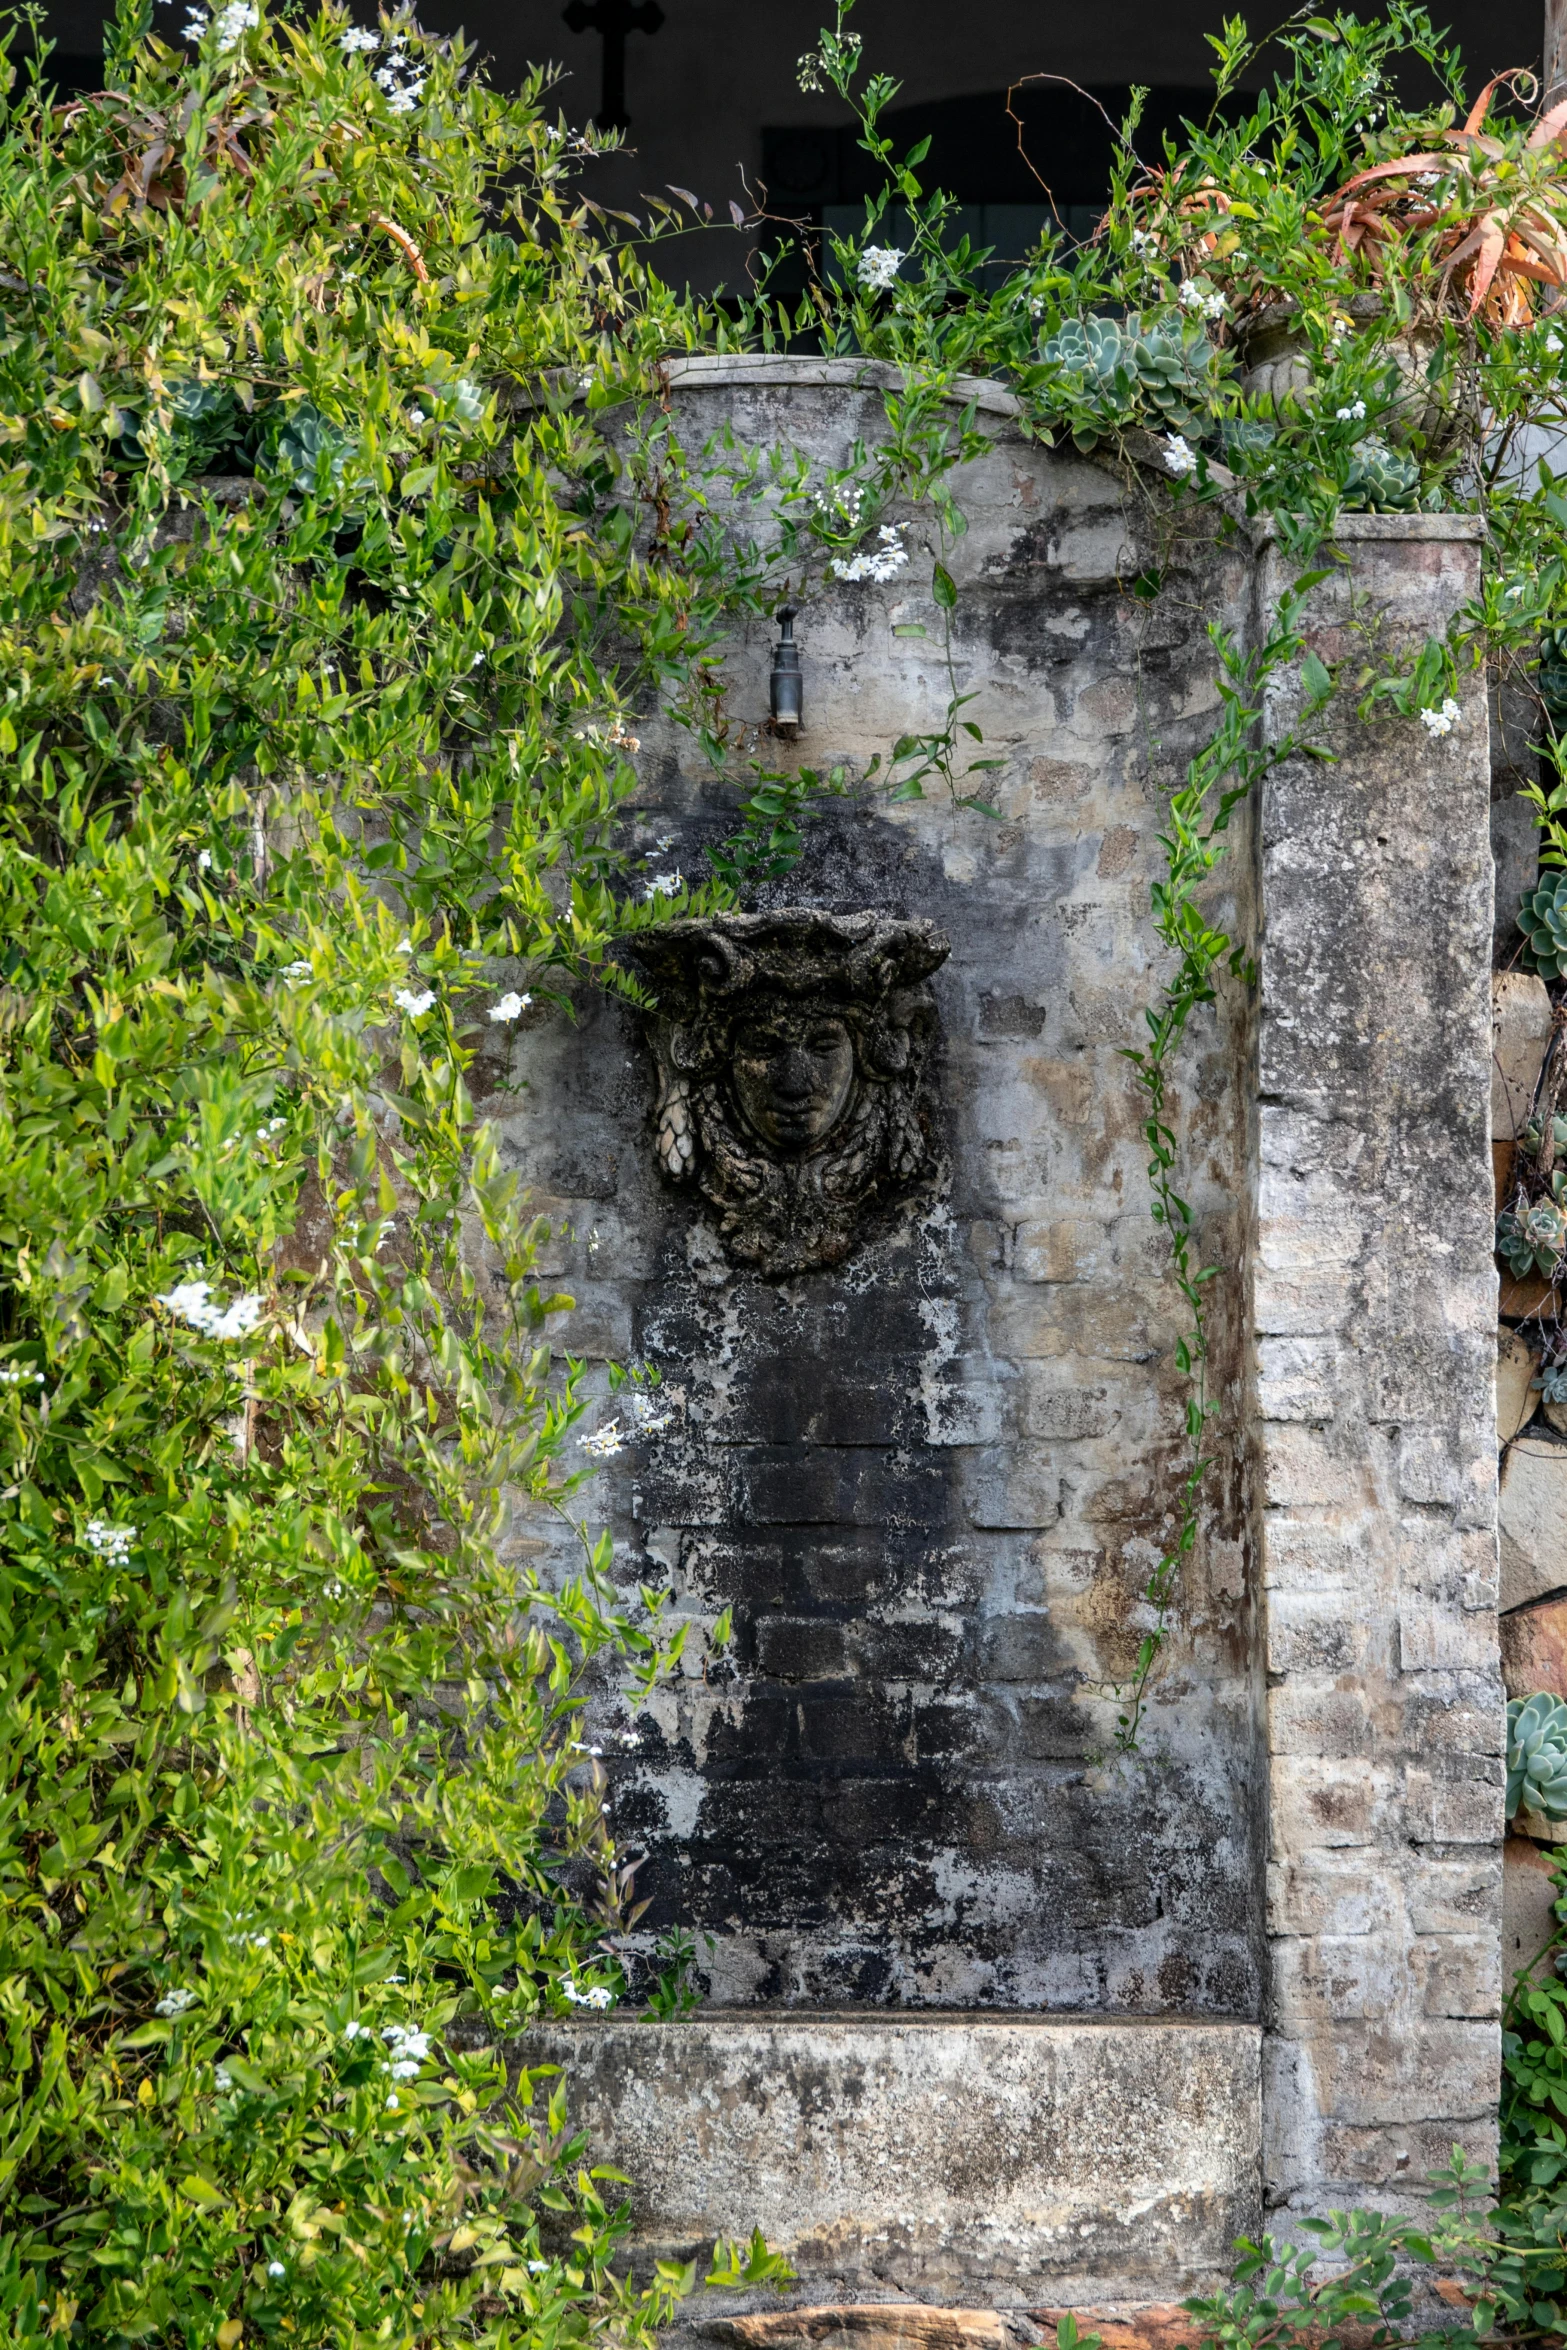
[{"x": 1275, "y": 358}]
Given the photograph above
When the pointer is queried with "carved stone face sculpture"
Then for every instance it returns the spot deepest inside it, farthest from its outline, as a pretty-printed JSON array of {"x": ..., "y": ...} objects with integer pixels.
[
  {"x": 790, "y": 1052},
  {"x": 792, "y": 1080}
]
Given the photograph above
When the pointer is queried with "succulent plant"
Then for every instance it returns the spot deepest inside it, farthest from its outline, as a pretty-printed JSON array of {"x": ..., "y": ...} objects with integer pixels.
[
  {"x": 1537, "y": 1756},
  {"x": 1543, "y": 920},
  {"x": 1381, "y": 480},
  {"x": 1533, "y": 1238},
  {"x": 1132, "y": 371}
]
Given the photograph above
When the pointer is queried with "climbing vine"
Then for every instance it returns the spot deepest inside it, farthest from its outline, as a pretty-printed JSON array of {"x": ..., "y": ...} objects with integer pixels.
[{"x": 328, "y": 592}]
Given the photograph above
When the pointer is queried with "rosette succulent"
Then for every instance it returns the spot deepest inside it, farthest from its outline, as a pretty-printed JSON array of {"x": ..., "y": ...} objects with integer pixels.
[
  {"x": 1110, "y": 372},
  {"x": 1537, "y": 1756},
  {"x": 1543, "y": 920},
  {"x": 1533, "y": 1238},
  {"x": 1381, "y": 480}
]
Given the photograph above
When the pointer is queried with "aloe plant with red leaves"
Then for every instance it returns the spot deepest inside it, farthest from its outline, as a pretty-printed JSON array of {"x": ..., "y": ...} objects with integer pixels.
[{"x": 1478, "y": 220}]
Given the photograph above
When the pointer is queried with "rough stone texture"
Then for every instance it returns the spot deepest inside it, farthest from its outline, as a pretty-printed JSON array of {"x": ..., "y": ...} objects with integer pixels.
[
  {"x": 1534, "y": 1649},
  {"x": 1372, "y": 1256},
  {"x": 863, "y": 2325},
  {"x": 1533, "y": 1519},
  {"x": 1521, "y": 1028},
  {"x": 1517, "y": 1399},
  {"x": 1003, "y": 2160},
  {"x": 1528, "y": 1894},
  {"x": 930, "y": 1482}
]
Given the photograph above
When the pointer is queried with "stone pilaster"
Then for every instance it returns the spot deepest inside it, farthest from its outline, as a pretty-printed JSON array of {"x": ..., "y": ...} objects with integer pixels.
[{"x": 1374, "y": 1317}]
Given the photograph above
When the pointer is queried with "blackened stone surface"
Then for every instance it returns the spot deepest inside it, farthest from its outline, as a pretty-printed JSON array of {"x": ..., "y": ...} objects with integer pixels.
[{"x": 931, "y": 1481}]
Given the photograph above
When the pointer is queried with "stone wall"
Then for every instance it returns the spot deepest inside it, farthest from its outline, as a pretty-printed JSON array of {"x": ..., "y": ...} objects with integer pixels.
[{"x": 930, "y": 1480}]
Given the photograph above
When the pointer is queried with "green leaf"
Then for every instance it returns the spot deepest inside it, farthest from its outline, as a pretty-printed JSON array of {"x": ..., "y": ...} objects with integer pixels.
[{"x": 943, "y": 587}]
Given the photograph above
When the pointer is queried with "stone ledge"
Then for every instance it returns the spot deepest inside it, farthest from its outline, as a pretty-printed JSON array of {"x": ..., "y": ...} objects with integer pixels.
[{"x": 996, "y": 2160}]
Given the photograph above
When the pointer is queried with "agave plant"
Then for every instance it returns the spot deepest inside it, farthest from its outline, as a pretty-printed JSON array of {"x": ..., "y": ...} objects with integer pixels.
[
  {"x": 1543, "y": 920},
  {"x": 1537, "y": 1756},
  {"x": 1485, "y": 211}
]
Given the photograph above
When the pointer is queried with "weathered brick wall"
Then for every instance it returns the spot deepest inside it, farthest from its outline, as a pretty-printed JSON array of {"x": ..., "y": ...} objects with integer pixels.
[{"x": 931, "y": 1483}]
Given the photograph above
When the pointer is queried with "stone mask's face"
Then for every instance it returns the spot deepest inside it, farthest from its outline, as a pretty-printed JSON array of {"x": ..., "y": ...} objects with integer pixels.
[{"x": 792, "y": 1077}]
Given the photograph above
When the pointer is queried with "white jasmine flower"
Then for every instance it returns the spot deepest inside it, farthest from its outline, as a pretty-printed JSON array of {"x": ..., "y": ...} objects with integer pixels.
[
  {"x": 597, "y": 1995},
  {"x": 537, "y": 2268},
  {"x": 405, "y": 100},
  {"x": 878, "y": 267},
  {"x": 604, "y": 1442},
  {"x": 404, "y": 946},
  {"x": 239, "y": 1320},
  {"x": 1353, "y": 414},
  {"x": 14, "y": 1375},
  {"x": 1440, "y": 722},
  {"x": 196, "y": 24},
  {"x": 222, "y": 2078},
  {"x": 665, "y": 885},
  {"x": 416, "y": 416},
  {"x": 415, "y": 1006},
  {"x": 275, "y": 2268},
  {"x": 881, "y": 562},
  {"x": 808, "y": 72},
  {"x": 1144, "y": 242},
  {"x": 204, "y": 861},
  {"x": 295, "y": 972},
  {"x": 233, "y": 23},
  {"x": 175, "y": 2002},
  {"x": 110, "y": 1542},
  {"x": 1553, "y": 344},
  {"x": 392, "y": 2105},
  {"x": 355, "y": 2030},
  {"x": 1199, "y": 298},
  {"x": 1179, "y": 456},
  {"x": 649, "y": 1420},
  {"x": 192, "y": 1302},
  {"x": 356, "y": 39},
  {"x": 510, "y": 1007}
]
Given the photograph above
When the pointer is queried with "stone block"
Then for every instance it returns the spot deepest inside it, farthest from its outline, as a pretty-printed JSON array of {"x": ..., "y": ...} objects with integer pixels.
[
  {"x": 1516, "y": 1401},
  {"x": 1331, "y": 1977},
  {"x": 1529, "y": 1890},
  {"x": 1322, "y": 1802},
  {"x": 1515, "y": 852},
  {"x": 1437, "y": 1635},
  {"x": 1534, "y": 1649},
  {"x": 1326, "y": 1892},
  {"x": 861, "y": 2325},
  {"x": 995, "y": 2160},
  {"x": 1004, "y": 1488},
  {"x": 1068, "y": 1250},
  {"x": 1458, "y": 1974},
  {"x": 1303, "y": 1467},
  {"x": 1520, "y": 1030},
  {"x": 1366, "y": 2074},
  {"x": 1311, "y": 1632},
  {"x": 1532, "y": 1520},
  {"x": 1452, "y": 1896}
]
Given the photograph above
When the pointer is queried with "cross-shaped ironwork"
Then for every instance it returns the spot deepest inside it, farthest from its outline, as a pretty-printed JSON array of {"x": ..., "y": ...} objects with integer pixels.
[{"x": 614, "y": 19}]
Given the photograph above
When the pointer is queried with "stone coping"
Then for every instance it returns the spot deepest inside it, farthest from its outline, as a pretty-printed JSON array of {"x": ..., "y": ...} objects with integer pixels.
[{"x": 1002, "y": 2159}]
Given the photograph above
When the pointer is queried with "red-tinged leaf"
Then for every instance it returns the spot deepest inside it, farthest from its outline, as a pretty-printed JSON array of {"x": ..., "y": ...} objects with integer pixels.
[
  {"x": 1548, "y": 127},
  {"x": 684, "y": 194},
  {"x": 735, "y": 214},
  {"x": 1479, "y": 110}
]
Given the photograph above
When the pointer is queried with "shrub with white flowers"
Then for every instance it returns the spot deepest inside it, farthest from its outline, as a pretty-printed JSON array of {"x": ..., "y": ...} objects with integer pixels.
[{"x": 257, "y": 1823}]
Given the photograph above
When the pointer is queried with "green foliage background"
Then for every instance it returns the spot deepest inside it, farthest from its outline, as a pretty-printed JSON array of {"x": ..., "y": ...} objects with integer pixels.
[{"x": 323, "y": 601}]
